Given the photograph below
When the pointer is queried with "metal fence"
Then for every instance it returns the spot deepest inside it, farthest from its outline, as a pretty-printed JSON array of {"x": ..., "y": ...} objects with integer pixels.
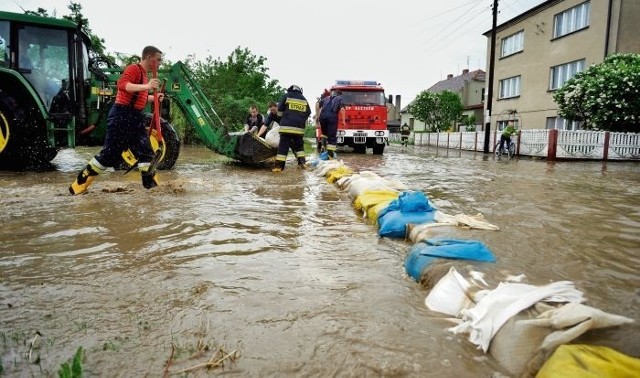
[{"x": 550, "y": 144}]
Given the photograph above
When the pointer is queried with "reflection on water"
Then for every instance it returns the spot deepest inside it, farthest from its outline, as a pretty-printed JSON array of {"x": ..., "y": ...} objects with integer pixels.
[{"x": 280, "y": 267}]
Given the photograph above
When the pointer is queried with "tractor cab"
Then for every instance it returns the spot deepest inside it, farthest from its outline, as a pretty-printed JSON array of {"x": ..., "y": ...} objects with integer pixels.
[{"x": 43, "y": 54}]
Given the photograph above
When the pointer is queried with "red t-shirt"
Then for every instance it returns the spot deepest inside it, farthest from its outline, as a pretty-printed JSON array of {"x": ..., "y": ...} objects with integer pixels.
[{"x": 137, "y": 75}]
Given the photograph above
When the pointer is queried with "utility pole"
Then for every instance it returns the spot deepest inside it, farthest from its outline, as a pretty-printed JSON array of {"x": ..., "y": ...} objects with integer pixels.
[{"x": 489, "y": 98}]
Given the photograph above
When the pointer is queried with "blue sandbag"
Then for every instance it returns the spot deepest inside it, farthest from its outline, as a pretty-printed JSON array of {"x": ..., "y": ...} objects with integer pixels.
[
  {"x": 393, "y": 223},
  {"x": 409, "y": 201},
  {"x": 425, "y": 252}
]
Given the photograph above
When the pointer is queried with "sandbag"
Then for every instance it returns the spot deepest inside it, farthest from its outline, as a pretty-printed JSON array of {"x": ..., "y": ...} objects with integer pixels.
[
  {"x": 450, "y": 295},
  {"x": 411, "y": 201},
  {"x": 393, "y": 223},
  {"x": 373, "y": 211},
  {"x": 370, "y": 198},
  {"x": 589, "y": 361},
  {"x": 425, "y": 252},
  {"x": 273, "y": 136},
  {"x": 338, "y": 173}
]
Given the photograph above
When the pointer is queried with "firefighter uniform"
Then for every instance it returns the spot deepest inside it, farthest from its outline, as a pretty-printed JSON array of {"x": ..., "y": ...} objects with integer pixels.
[
  {"x": 294, "y": 110},
  {"x": 405, "y": 131},
  {"x": 329, "y": 108}
]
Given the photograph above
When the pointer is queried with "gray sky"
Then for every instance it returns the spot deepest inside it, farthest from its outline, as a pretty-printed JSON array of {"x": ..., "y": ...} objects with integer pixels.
[{"x": 407, "y": 46}]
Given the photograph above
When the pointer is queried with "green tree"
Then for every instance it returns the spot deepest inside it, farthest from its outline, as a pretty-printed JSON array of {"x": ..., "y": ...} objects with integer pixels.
[
  {"x": 236, "y": 83},
  {"x": 605, "y": 96},
  {"x": 437, "y": 110}
]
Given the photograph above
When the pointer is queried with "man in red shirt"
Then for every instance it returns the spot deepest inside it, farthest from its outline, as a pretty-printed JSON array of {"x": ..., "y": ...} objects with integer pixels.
[{"x": 125, "y": 126}]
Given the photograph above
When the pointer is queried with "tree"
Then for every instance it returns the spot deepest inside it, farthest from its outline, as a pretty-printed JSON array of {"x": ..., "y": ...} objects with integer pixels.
[
  {"x": 605, "y": 96},
  {"x": 235, "y": 84},
  {"x": 437, "y": 110}
]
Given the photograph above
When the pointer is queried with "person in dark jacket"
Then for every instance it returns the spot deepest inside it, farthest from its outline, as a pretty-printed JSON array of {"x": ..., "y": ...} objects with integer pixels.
[
  {"x": 272, "y": 117},
  {"x": 331, "y": 111},
  {"x": 126, "y": 128},
  {"x": 294, "y": 111},
  {"x": 321, "y": 139},
  {"x": 254, "y": 120}
]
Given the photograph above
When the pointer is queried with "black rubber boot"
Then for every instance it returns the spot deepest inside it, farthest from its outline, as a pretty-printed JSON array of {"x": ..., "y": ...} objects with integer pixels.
[
  {"x": 279, "y": 166},
  {"x": 149, "y": 179},
  {"x": 302, "y": 163}
]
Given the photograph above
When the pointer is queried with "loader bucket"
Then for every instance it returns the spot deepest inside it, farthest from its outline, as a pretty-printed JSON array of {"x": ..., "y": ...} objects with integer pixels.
[{"x": 251, "y": 149}]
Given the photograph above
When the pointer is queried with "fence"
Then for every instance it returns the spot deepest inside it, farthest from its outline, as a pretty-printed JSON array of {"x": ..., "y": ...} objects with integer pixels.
[{"x": 550, "y": 144}]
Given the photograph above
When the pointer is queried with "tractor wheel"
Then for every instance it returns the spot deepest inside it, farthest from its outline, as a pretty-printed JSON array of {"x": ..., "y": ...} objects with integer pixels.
[
  {"x": 23, "y": 134},
  {"x": 172, "y": 145}
]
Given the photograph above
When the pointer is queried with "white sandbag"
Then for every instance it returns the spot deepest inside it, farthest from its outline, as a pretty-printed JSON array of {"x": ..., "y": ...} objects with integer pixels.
[
  {"x": 273, "y": 136},
  {"x": 497, "y": 306},
  {"x": 524, "y": 343},
  {"x": 463, "y": 220},
  {"x": 450, "y": 295},
  {"x": 324, "y": 167},
  {"x": 362, "y": 184}
]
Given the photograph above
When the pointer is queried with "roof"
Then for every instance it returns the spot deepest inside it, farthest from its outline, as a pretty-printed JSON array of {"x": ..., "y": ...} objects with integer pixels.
[{"x": 456, "y": 83}]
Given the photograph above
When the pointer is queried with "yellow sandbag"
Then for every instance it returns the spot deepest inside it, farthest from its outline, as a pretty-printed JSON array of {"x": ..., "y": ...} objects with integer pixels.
[
  {"x": 370, "y": 198},
  {"x": 576, "y": 360},
  {"x": 373, "y": 211},
  {"x": 338, "y": 173}
]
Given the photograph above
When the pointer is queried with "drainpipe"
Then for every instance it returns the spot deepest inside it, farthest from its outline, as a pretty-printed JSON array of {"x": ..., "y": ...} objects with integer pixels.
[{"x": 606, "y": 41}]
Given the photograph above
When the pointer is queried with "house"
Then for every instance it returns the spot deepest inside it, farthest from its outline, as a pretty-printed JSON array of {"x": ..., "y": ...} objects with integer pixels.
[
  {"x": 470, "y": 86},
  {"x": 539, "y": 50}
]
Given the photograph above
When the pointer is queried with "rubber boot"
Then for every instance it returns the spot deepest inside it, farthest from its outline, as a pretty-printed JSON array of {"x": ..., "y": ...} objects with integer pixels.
[
  {"x": 279, "y": 166},
  {"x": 149, "y": 179},
  {"x": 330, "y": 154},
  {"x": 84, "y": 179},
  {"x": 302, "y": 163}
]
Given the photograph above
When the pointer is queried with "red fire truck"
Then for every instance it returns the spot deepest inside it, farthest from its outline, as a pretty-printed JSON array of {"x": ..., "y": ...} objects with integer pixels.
[{"x": 366, "y": 116}]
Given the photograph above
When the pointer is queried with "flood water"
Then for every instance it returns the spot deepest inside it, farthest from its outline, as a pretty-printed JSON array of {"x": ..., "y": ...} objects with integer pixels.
[{"x": 282, "y": 270}]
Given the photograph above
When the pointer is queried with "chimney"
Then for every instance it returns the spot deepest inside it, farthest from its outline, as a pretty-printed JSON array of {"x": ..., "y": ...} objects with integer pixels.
[
  {"x": 465, "y": 71},
  {"x": 398, "y": 106},
  {"x": 449, "y": 76},
  {"x": 390, "y": 100}
]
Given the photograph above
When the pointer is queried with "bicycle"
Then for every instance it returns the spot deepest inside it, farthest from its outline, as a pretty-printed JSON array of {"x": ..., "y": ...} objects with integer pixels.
[{"x": 510, "y": 150}]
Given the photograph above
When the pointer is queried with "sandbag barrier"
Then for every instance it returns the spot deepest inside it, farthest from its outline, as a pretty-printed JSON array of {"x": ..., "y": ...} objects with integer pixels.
[{"x": 526, "y": 328}]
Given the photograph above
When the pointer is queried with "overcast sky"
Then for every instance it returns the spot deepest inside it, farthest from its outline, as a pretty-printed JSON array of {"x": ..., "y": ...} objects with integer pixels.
[{"x": 406, "y": 45}]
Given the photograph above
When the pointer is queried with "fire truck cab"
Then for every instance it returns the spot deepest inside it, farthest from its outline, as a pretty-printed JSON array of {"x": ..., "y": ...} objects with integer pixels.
[{"x": 365, "y": 125}]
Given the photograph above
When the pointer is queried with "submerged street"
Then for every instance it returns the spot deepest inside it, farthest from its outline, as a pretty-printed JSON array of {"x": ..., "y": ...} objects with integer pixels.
[{"x": 282, "y": 270}]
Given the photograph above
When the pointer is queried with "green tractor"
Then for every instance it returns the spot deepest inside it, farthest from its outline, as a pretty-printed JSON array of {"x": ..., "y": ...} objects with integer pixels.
[{"x": 55, "y": 93}]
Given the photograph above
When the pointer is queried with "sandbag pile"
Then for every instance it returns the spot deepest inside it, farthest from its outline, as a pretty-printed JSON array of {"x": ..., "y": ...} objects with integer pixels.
[{"x": 520, "y": 325}]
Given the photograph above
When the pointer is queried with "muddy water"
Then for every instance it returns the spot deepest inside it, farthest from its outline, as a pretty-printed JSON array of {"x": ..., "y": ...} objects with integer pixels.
[{"x": 281, "y": 269}]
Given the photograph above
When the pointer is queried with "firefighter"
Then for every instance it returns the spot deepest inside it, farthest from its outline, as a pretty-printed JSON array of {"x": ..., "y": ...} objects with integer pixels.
[
  {"x": 125, "y": 126},
  {"x": 294, "y": 110},
  {"x": 322, "y": 139},
  {"x": 330, "y": 108},
  {"x": 405, "y": 131}
]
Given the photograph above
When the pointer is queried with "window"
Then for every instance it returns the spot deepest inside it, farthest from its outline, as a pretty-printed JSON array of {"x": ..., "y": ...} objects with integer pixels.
[
  {"x": 4, "y": 44},
  {"x": 572, "y": 19},
  {"x": 512, "y": 44},
  {"x": 560, "y": 123},
  {"x": 510, "y": 87},
  {"x": 560, "y": 74}
]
